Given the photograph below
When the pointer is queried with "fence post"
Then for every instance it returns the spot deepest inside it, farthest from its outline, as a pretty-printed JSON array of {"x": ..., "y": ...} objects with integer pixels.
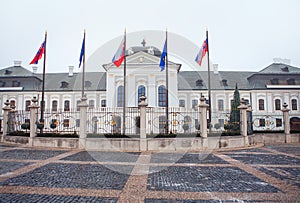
[
  {"x": 286, "y": 122},
  {"x": 33, "y": 120},
  {"x": 143, "y": 142},
  {"x": 83, "y": 125},
  {"x": 6, "y": 109},
  {"x": 203, "y": 121},
  {"x": 243, "y": 120}
]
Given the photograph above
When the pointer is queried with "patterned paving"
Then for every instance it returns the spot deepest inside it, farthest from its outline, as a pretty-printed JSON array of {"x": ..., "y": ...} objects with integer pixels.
[{"x": 266, "y": 174}]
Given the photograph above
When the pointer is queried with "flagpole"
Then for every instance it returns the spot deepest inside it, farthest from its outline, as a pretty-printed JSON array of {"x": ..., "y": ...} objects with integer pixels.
[
  {"x": 43, "y": 83},
  {"x": 124, "y": 85},
  {"x": 167, "y": 87},
  {"x": 209, "y": 87},
  {"x": 83, "y": 66}
]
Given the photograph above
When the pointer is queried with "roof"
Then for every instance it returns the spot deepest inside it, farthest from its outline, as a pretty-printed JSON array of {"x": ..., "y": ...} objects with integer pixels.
[
  {"x": 280, "y": 68},
  {"x": 15, "y": 71},
  {"x": 223, "y": 80}
]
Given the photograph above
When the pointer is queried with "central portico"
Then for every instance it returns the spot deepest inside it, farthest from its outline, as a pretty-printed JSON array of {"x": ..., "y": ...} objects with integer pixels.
[{"x": 144, "y": 77}]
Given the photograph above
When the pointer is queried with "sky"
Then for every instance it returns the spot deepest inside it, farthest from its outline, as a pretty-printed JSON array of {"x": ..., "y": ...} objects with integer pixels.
[{"x": 244, "y": 35}]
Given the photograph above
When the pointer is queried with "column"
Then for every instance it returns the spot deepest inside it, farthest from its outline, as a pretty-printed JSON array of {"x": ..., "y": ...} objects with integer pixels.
[
  {"x": 6, "y": 109},
  {"x": 243, "y": 121},
  {"x": 33, "y": 120},
  {"x": 286, "y": 122},
  {"x": 143, "y": 141},
  {"x": 203, "y": 121},
  {"x": 83, "y": 118}
]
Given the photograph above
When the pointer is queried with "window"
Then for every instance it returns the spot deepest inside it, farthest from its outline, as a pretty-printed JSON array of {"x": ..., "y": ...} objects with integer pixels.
[
  {"x": 221, "y": 122},
  {"x": 77, "y": 105},
  {"x": 181, "y": 103},
  {"x": 278, "y": 122},
  {"x": 277, "y": 104},
  {"x": 275, "y": 81},
  {"x": 262, "y": 122},
  {"x": 291, "y": 81},
  {"x": 91, "y": 104},
  {"x": 54, "y": 105},
  {"x": 194, "y": 103},
  {"x": 141, "y": 91},
  {"x": 13, "y": 103},
  {"x": 120, "y": 101},
  {"x": 294, "y": 104},
  {"x": 15, "y": 83},
  {"x": 67, "y": 105},
  {"x": 66, "y": 123},
  {"x": 261, "y": 104},
  {"x": 103, "y": 103},
  {"x": 220, "y": 105},
  {"x": 199, "y": 83},
  {"x": 162, "y": 96},
  {"x": 27, "y": 104}
]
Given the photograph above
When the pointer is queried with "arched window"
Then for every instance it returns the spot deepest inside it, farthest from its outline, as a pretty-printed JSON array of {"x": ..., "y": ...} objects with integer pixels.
[
  {"x": 120, "y": 97},
  {"x": 221, "y": 105},
  {"x": 67, "y": 105},
  {"x": 277, "y": 104},
  {"x": 27, "y": 104},
  {"x": 162, "y": 96},
  {"x": 294, "y": 104},
  {"x": 141, "y": 91},
  {"x": 54, "y": 105},
  {"x": 261, "y": 104}
]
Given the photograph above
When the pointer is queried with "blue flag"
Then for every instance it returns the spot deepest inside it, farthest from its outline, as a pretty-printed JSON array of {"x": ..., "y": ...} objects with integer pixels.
[
  {"x": 163, "y": 57},
  {"x": 81, "y": 53}
]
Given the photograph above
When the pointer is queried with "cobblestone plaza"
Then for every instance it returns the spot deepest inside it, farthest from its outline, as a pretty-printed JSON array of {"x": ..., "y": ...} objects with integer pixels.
[{"x": 263, "y": 174}]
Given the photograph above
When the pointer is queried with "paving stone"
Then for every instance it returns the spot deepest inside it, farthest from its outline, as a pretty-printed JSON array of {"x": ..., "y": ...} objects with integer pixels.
[
  {"x": 103, "y": 156},
  {"x": 201, "y": 159},
  {"x": 6, "y": 167},
  {"x": 275, "y": 159},
  {"x": 199, "y": 201},
  {"x": 286, "y": 148},
  {"x": 291, "y": 175},
  {"x": 30, "y": 154},
  {"x": 59, "y": 175},
  {"x": 39, "y": 198},
  {"x": 206, "y": 179},
  {"x": 258, "y": 150}
]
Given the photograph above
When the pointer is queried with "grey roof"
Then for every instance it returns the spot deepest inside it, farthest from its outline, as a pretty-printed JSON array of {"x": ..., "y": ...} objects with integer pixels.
[
  {"x": 15, "y": 71},
  {"x": 136, "y": 49},
  {"x": 222, "y": 80},
  {"x": 279, "y": 68}
]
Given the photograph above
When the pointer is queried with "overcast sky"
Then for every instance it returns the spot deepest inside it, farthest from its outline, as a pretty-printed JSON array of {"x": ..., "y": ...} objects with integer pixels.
[{"x": 243, "y": 34}]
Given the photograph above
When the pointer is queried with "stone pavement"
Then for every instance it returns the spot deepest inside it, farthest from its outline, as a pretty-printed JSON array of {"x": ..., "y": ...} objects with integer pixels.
[{"x": 264, "y": 174}]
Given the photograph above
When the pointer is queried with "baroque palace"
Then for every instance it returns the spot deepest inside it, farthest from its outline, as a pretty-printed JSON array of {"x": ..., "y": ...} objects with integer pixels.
[{"x": 266, "y": 90}]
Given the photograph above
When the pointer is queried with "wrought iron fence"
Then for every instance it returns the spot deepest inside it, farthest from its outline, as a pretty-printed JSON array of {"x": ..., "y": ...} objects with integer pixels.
[{"x": 109, "y": 121}]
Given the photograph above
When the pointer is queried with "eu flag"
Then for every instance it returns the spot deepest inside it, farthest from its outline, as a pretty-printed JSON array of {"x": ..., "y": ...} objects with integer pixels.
[
  {"x": 162, "y": 63},
  {"x": 81, "y": 53}
]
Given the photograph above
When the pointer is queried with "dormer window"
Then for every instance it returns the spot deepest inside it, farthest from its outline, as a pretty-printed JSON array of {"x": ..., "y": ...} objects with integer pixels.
[
  {"x": 15, "y": 83},
  {"x": 8, "y": 72},
  {"x": 285, "y": 69},
  {"x": 224, "y": 83},
  {"x": 64, "y": 84},
  {"x": 199, "y": 83},
  {"x": 291, "y": 81},
  {"x": 87, "y": 84},
  {"x": 275, "y": 81}
]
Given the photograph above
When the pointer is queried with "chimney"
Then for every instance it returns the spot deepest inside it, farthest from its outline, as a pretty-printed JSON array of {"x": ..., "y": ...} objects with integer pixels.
[
  {"x": 17, "y": 63},
  {"x": 34, "y": 69},
  {"x": 283, "y": 61},
  {"x": 71, "y": 70},
  {"x": 216, "y": 67}
]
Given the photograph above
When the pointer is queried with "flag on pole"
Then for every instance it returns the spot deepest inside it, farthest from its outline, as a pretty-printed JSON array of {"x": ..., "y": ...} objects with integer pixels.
[
  {"x": 202, "y": 52},
  {"x": 162, "y": 63},
  {"x": 120, "y": 54},
  {"x": 39, "y": 54},
  {"x": 82, "y": 52}
]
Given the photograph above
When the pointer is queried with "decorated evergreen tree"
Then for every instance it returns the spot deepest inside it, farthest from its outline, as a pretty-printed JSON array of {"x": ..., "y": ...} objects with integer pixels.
[{"x": 234, "y": 121}]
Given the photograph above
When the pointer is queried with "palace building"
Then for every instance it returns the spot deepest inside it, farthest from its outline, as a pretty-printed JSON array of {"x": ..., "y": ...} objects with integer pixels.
[{"x": 265, "y": 90}]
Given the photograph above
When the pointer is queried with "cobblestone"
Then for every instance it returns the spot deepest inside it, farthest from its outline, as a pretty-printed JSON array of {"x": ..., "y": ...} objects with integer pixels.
[
  {"x": 265, "y": 159},
  {"x": 199, "y": 201},
  {"x": 29, "y": 154},
  {"x": 25, "y": 198},
  {"x": 6, "y": 167},
  {"x": 72, "y": 176},
  {"x": 206, "y": 179},
  {"x": 287, "y": 148},
  {"x": 103, "y": 156}
]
